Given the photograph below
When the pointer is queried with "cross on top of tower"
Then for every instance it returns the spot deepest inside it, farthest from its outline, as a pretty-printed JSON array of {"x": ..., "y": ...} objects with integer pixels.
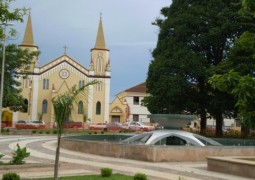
[{"x": 65, "y": 49}]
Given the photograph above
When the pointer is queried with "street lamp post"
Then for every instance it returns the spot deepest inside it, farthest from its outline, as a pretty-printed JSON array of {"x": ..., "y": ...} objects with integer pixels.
[{"x": 2, "y": 75}]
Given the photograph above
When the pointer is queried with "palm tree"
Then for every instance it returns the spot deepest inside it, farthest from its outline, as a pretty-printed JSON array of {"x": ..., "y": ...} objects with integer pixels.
[{"x": 63, "y": 105}]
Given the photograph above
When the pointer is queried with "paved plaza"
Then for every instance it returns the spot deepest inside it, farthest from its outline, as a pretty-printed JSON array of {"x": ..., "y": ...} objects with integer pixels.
[{"x": 42, "y": 154}]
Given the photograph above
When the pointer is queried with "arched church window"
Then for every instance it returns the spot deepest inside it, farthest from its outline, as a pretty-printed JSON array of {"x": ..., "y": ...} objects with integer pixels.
[
  {"x": 98, "y": 108},
  {"x": 100, "y": 64},
  {"x": 26, "y": 83},
  {"x": 45, "y": 83},
  {"x": 80, "y": 107},
  {"x": 81, "y": 83},
  {"x": 26, "y": 103},
  {"x": 44, "y": 106}
]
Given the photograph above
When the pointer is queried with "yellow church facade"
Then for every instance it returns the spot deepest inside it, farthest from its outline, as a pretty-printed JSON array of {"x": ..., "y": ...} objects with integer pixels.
[{"x": 59, "y": 75}]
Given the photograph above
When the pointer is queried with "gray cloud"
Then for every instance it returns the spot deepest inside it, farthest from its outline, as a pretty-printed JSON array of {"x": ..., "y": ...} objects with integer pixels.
[{"x": 127, "y": 26}]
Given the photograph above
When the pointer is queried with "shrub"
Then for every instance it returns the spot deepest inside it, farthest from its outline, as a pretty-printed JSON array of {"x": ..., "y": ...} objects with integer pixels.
[
  {"x": 47, "y": 132},
  {"x": 102, "y": 132},
  {"x": 33, "y": 131},
  {"x": 10, "y": 176},
  {"x": 106, "y": 172},
  {"x": 55, "y": 132},
  {"x": 19, "y": 155},
  {"x": 140, "y": 176},
  {"x": 95, "y": 132}
]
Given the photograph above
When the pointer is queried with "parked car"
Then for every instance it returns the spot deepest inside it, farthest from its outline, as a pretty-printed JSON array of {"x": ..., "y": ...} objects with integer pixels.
[
  {"x": 125, "y": 126},
  {"x": 38, "y": 124},
  {"x": 29, "y": 124},
  {"x": 115, "y": 126},
  {"x": 98, "y": 126},
  {"x": 73, "y": 124},
  {"x": 70, "y": 124},
  {"x": 158, "y": 126},
  {"x": 139, "y": 126},
  {"x": 24, "y": 124}
]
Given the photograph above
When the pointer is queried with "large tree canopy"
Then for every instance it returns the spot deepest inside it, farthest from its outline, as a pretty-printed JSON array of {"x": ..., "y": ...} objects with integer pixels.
[
  {"x": 7, "y": 16},
  {"x": 194, "y": 37},
  {"x": 16, "y": 64},
  {"x": 17, "y": 60},
  {"x": 243, "y": 89},
  {"x": 240, "y": 82}
]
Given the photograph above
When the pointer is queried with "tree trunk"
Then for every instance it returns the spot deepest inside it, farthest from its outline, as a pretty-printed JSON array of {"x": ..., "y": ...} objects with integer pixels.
[
  {"x": 219, "y": 124},
  {"x": 203, "y": 122},
  {"x": 57, "y": 158},
  {"x": 245, "y": 131}
]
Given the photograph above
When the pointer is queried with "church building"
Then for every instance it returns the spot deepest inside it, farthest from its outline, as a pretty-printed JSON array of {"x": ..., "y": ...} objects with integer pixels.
[{"x": 59, "y": 75}]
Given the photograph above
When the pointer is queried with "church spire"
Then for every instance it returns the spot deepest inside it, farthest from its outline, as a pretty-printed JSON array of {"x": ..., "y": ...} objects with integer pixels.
[
  {"x": 100, "y": 42},
  {"x": 28, "y": 39}
]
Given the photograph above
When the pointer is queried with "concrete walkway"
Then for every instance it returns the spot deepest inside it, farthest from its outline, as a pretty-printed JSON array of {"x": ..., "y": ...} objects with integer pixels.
[{"x": 42, "y": 155}]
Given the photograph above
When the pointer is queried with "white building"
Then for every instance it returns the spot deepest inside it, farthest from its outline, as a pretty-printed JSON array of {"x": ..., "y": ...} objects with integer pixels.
[{"x": 127, "y": 105}]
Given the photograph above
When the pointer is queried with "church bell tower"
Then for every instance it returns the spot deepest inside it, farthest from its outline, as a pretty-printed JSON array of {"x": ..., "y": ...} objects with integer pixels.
[
  {"x": 100, "y": 60},
  {"x": 28, "y": 42},
  {"x": 100, "y": 71}
]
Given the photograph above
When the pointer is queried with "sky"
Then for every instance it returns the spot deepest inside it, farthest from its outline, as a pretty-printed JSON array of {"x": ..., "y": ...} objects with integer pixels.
[{"x": 129, "y": 34}]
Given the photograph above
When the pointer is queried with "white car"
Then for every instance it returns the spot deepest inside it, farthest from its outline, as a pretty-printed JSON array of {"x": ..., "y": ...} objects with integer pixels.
[
  {"x": 38, "y": 123},
  {"x": 138, "y": 126}
]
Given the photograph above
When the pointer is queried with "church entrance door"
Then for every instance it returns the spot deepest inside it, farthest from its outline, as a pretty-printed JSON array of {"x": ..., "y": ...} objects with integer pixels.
[{"x": 116, "y": 119}]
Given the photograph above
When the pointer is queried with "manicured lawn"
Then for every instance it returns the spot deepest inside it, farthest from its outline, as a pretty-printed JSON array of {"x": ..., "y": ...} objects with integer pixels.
[{"x": 94, "y": 177}]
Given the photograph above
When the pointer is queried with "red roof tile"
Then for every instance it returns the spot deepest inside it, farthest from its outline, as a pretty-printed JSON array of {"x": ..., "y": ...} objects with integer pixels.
[{"x": 141, "y": 88}]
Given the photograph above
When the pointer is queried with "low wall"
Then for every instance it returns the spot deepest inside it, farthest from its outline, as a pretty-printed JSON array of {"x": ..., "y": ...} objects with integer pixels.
[
  {"x": 232, "y": 165},
  {"x": 13, "y": 131},
  {"x": 155, "y": 153}
]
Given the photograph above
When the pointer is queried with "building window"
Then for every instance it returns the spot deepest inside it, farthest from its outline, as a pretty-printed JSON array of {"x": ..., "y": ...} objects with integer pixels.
[
  {"x": 26, "y": 83},
  {"x": 81, "y": 83},
  {"x": 44, "y": 106},
  {"x": 135, "y": 117},
  {"x": 45, "y": 83},
  {"x": 98, "y": 108},
  {"x": 136, "y": 100},
  {"x": 80, "y": 107},
  {"x": 26, "y": 103}
]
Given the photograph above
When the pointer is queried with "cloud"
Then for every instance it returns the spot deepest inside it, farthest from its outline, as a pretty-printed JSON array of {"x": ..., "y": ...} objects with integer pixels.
[{"x": 127, "y": 26}]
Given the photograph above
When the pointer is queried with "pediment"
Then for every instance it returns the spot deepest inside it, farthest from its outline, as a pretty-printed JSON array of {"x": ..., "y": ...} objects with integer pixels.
[
  {"x": 116, "y": 110},
  {"x": 63, "y": 62}
]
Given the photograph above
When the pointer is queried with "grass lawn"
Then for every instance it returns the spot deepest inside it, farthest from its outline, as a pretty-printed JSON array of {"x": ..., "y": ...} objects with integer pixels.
[{"x": 94, "y": 177}]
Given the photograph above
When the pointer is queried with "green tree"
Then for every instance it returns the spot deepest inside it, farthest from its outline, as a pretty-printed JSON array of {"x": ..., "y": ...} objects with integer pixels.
[
  {"x": 16, "y": 66},
  {"x": 239, "y": 82},
  {"x": 194, "y": 38},
  {"x": 243, "y": 89},
  {"x": 9, "y": 16},
  {"x": 15, "y": 57},
  {"x": 63, "y": 106}
]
